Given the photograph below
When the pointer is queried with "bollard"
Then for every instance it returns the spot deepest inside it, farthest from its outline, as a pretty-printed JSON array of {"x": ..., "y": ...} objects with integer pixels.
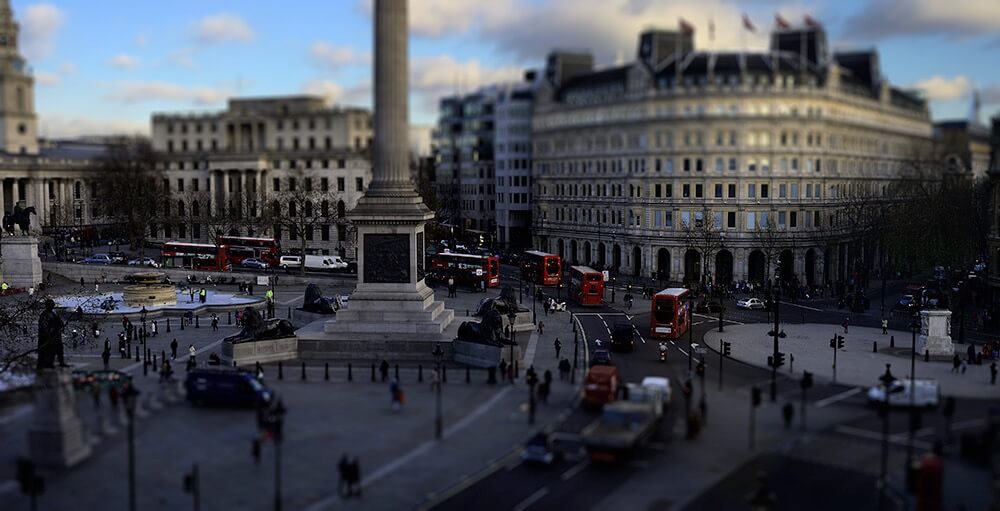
[
  {"x": 234, "y": 363},
  {"x": 145, "y": 368},
  {"x": 491, "y": 375},
  {"x": 168, "y": 325},
  {"x": 350, "y": 373},
  {"x": 516, "y": 370},
  {"x": 397, "y": 372},
  {"x": 163, "y": 354},
  {"x": 229, "y": 317},
  {"x": 420, "y": 373},
  {"x": 196, "y": 323},
  {"x": 927, "y": 356},
  {"x": 892, "y": 341},
  {"x": 154, "y": 363},
  {"x": 303, "y": 371},
  {"x": 874, "y": 346},
  {"x": 466, "y": 312},
  {"x": 468, "y": 375},
  {"x": 149, "y": 354},
  {"x": 289, "y": 312},
  {"x": 373, "y": 371},
  {"x": 326, "y": 371},
  {"x": 182, "y": 323},
  {"x": 137, "y": 359},
  {"x": 281, "y": 372}
]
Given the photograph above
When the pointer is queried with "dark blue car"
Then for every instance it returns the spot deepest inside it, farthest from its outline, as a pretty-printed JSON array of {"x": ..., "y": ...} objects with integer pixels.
[{"x": 225, "y": 387}]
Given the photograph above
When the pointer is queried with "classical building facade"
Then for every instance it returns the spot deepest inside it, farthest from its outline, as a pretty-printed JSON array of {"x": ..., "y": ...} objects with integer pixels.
[
  {"x": 993, "y": 239},
  {"x": 255, "y": 160},
  {"x": 753, "y": 148}
]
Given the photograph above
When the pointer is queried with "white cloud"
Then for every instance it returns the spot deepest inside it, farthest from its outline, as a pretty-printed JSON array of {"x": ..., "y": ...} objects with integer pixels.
[
  {"x": 67, "y": 68},
  {"x": 140, "y": 40},
  {"x": 223, "y": 28},
  {"x": 124, "y": 61},
  {"x": 990, "y": 95},
  {"x": 64, "y": 125},
  {"x": 183, "y": 57},
  {"x": 40, "y": 27},
  {"x": 955, "y": 18},
  {"x": 335, "y": 57},
  {"x": 335, "y": 93},
  {"x": 46, "y": 79},
  {"x": 140, "y": 92},
  {"x": 436, "y": 18},
  {"x": 943, "y": 88}
]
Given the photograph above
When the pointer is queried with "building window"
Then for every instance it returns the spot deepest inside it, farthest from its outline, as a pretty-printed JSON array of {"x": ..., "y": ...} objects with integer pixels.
[
  {"x": 686, "y": 193},
  {"x": 793, "y": 219},
  {"x": 782, "y": 191},
  {"x": 751, "y": 218},
  {"x": 718, "y": 190},
  {"x": 732, "y": 190},
  {"x": 359, "y": 184},
  {"x": 752, "y": 191},
  {"x": 341, "y": 184},
  {"x": 687, "y": 164},
  {"x": 731, "y": 219},
  {"x": 719, "y": 164},
  {"x": 324, "y": 232},
  {"x": 794, "y": 193},
  {"x": 763, "y": 191},
  {"x": 699, "y": 191},
  {"x": 276, "y": 185},
  {"x": 732, "y": 164}
]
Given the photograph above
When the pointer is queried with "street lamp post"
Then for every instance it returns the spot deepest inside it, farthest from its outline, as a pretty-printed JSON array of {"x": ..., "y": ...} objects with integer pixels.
[
  {"x": 512, "y": 316},
  {"x": 278, "y": 423},
  {"x": 886, "y": 380},
  {"x": 722, "y": 303},
  {"x": 914, "y": 326},
  {"x": 775, "y": 334},
  {"x": 128, "y": 397},
  {"x": 438, "y": 426},
  {"x": 690, "y": 317},
  {"x": 142, "y": 318}
]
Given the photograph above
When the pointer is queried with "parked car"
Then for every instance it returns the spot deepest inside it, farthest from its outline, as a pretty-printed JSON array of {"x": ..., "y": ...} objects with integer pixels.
[
  {"x": 144, "y": 261},
  {"x": 709, "y": 306},
  {"x": 928, "y": 393},
  {"x": 906, "y": 303},
  {"x": 118, "y": 257},
  {"x": 750, "y": 303},
  {"x": 288, "y": 261},
  {"x": 98, "y": 259},
  {"x": 537, "y": 450},
  {"x": 623, "y": 336},
  {"x": 253, "y": 262},
  {"x": 225, "y": 386}
]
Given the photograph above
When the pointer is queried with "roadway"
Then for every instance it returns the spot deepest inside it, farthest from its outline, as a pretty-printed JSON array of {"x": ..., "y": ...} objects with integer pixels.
[{"x": 581, "y": 484}]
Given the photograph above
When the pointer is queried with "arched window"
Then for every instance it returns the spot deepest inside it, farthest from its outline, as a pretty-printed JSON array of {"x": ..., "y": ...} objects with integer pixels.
[
  {"x": 20, "y": 100},
  {"x": 195, "y": 209},
  {"x": 77, "y": 190},
  {"x": 276, "y": 208},
  {"x": 341, "y": 209},
  {"x": 309, "y": 208},
  {"x": 291, "y": 209},
  {"x": 180, "y": 208},
  {"x": 325, "y": 206}
]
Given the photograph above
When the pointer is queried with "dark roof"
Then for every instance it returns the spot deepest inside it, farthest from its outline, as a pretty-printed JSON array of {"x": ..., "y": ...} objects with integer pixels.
[
  {"x": 610, "y": 76},
  {"x": 72, "y": 150}
]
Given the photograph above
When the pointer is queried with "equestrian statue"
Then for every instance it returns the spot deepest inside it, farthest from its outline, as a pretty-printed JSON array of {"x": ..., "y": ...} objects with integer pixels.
[{"x": 20, "y": 217}]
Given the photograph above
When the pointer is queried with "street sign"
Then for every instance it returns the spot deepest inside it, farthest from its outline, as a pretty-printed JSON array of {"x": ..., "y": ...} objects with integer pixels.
[
  {"x": 607, "y": 275},
  {"x": 263, "y": 280}
]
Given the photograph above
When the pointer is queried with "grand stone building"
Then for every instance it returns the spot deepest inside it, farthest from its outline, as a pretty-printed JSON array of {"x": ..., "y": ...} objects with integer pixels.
[
  {"x": 52, "y": 177},
  {"x": 251, "y": 157},
  {"x": 751, "y": 146}
]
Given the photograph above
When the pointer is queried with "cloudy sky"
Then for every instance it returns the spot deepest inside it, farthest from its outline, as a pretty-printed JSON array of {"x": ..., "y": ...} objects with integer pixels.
[{"x": 106, "y": 66}]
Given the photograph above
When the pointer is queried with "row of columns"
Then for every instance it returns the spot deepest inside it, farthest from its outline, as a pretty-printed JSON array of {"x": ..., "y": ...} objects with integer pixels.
[
  {"x": 227, "y": 190},
  {"x": 37, "y": 192}
]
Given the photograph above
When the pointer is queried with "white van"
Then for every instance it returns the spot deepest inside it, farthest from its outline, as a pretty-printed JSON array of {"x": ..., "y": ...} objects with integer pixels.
[
  {"x": 322, "y": 262},
  {"x": 928, "y": 393},
  {"x": 288, "y": 261}
]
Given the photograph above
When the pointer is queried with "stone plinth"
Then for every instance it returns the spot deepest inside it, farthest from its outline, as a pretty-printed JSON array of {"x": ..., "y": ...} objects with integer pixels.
[
  {"x": 251, "y": 352},
  {"x": 935, "y": 333},
  {"x": 21, "y": 266},
  {"x": 57, "y": 438}
]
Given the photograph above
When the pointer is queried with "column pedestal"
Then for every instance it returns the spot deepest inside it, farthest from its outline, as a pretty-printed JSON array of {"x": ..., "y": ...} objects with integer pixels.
[
  {"x": 57, "y": 438},
  {"x": 21, "y": 266}
]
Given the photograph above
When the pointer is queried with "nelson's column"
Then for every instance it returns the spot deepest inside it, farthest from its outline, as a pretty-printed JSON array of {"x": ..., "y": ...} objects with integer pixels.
[{"x": 392, "y": 312}]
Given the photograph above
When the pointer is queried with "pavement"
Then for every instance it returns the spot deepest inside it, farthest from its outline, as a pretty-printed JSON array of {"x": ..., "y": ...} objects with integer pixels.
[
  {"x": 857, "y": 364},
  {"x": 403, "y": 466}
]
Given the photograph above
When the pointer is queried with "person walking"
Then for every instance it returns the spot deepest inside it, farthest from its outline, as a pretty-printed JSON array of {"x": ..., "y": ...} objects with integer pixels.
[
  {"x": 558, "y": 345},
  {"x": 543, "y": 392},
  {"x": 564, "y": 369},
  {"x": 192, "y": 352},
  {"x": 541, "y": 328},
  {"x": 451, "y": 287},
  {"x": 215, "y": 323},
  {"x": 173, "y": 349},
  {"x": 993, "y": 373},
  {"x": 547, "y": 378},
  {"x": 885, "y": 326},
  {"x": 121, "y": 347},
  {"x": 355, "y": 479},
  {"x": 956, "y": 362},
  {"x": 190, "y": 295},
  {"x": 203, "y": 295},
  {"x": 156, "y": 328},
  {"x": 258, "y": 371},
  {"x": 106, "y": 357},
  {"x": 343, "y": 466},
  {"x": 396, "y": 395},
  {"x": 846, "y": 323},
  {"x": 383, "y": 369},
  {"x": 503, "y": 370}
]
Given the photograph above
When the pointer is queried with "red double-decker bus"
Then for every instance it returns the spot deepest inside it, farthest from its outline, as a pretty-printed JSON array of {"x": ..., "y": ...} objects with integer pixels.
[
  {"x": 541, "y": 268},
  {"x": 196, "y": 256},
  {"x": 467, "y": 269},
  {"x": 265, "y": 249},
  {"x": 670, "y": 316},
  {"x": 586, "y": 285}
]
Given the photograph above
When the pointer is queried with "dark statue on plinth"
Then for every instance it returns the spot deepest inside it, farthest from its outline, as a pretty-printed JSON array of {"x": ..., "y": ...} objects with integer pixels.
[
  {"x": 50, "y": 346},
  {"x": 314, "y": 301},
  {"x": 487, "y": 331},
  {"x": 505, "y": 303},
  {"x": 256, "y": 328},
  {"x": 20, "y": 217}
]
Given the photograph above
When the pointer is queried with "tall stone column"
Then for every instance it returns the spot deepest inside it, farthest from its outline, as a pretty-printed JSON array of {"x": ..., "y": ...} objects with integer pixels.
[
  {"x": 3, "y": 203},
  {"x": 15, "y": 192},
  {"x": 391, "y": 166}
]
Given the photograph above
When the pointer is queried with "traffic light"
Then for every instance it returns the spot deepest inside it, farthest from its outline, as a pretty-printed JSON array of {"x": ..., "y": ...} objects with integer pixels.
[
  {"x": 840, "y": 342},
  {"x": 781, "y": 359},
  {"x": 755, "y": 396},
  {"x": 727, "y": 348},
  {"x": 807, "y": 380}
]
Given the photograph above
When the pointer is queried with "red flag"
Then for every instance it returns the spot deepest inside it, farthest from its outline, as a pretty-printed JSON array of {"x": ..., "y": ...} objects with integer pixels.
[
  {"x": 747, "y": 24},
  {"x": 810, "y": 22},
  {"x": 686, "y": 27},
  {"x": 778, "y": 20}
]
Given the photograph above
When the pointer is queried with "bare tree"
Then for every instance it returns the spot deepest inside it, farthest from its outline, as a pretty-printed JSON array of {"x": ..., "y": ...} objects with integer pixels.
[
  {"x": 300, "y": 208},
  {"x": 770, "y": 240},
  {"x": 703, "y": 235},
  {"x": 130, "y": 183},
  {"x": 19, "y": 330}
]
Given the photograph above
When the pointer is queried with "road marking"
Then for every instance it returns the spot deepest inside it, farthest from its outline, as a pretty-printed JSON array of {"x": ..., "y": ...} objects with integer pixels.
[
  {"x": 576, "y": 469},
  {"x": 290, "y": 300},
  {"x": 814, "y": 309},
  {"x": 637, "y": 333},
  {"x": 682, "y": 351},
  {"x": 872, "y": 435},
  {"x": 583, "y": 334},
  {"x": 416, "y": 452},
  {"x": 534, "y": 497},
  {"x": 16, "y": 414},
  {"x": 836, "y": 397},
  {"x": 512, "y": 466},
  {"x": 971, "y": 423}
]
